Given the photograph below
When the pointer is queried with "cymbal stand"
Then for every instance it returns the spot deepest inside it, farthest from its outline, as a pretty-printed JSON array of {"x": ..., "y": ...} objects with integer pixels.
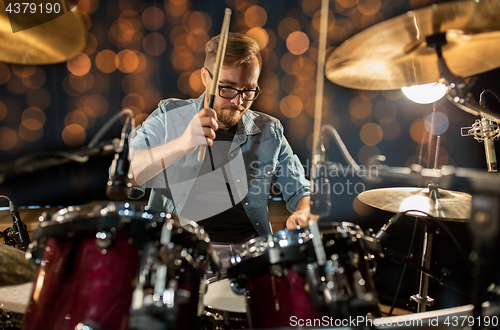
[{"x": 422, "y": 299}]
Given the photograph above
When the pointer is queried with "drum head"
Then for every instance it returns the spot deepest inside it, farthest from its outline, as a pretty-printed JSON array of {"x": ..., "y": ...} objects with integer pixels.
[{"x": 220, "y": 296}]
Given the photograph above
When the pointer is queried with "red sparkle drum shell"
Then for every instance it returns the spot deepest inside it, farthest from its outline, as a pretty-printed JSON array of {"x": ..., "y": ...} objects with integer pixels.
[
  {"x": 90, "y": 257},
  {"x": 273, "y": 271},
  {"x": 82, "y": 279}
]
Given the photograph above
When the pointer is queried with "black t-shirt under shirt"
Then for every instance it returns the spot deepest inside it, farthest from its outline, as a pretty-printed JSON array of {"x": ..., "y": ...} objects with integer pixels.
[{"x": 233, "y": 224}]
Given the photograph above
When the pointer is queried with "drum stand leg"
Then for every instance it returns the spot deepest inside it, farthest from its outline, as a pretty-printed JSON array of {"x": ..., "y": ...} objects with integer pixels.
[{"x": 421, "y": 298}]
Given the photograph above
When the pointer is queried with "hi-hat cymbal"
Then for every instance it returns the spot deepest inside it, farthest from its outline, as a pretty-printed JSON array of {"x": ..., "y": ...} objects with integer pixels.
[
  {"x": 450, "y": 205},
  {"x": 16, "y": 269},
  {"x": 40, "y": 37},
  {"x": 394, "y": 53}
]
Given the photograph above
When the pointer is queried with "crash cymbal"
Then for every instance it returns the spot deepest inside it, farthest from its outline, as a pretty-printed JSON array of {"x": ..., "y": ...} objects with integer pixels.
[
  {"x": 450, "y": 205},
  {"x": 394, "y": 53},
  {"x": 40, "y": 37},
  {"x": 16, "y": 269}
]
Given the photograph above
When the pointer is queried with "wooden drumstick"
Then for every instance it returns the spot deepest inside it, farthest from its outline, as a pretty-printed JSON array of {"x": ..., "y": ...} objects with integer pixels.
[
  {"x": 219, "y": 59},
  {"x": 320, "y": 74}
]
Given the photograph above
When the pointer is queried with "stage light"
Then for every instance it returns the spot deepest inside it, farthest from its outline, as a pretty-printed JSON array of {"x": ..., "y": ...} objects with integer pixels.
[{"x": 426, "y": 93}]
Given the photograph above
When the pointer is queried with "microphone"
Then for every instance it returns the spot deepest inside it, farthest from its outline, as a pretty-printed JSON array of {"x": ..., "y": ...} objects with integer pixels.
[
  {"x": 120, "y": 180},
  {"x": 320, "y": 184},
  {"x": 385, "y": 232},
  {"x": 488, "y": 132},
  {"x": 21, "y": 235}
]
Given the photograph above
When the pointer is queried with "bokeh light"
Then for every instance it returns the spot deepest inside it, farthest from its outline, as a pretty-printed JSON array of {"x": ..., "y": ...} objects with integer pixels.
[
  {"x": 436, "y": 123},
  {"x": 79, "y": 65},
  {"x": 8, "y": 138},
  {"x": 73, "y": 135},
  {"x": 291, "y": 106},
  {"x": 255, "y": 16},
  {"x": 128, "y": 61},
  {"x": 78, "y": 117},
  {"x": 287, "y": 26},
  {"x": 3, "y": 111},
  {"x": 418, "y": 132},
  {"x": 176, "y": 8},
  {"x": 371, "y": 134},
  {"x": 297, "y": 42},
  {"x": 198, "y": 22},
  {"x": 35, "y": 80},
  {"x": 260, "y": 35},
  {"x": 153, "y": 18},
  {"x": 106, "y": 61},
  {"x": 4, "y": 73}
]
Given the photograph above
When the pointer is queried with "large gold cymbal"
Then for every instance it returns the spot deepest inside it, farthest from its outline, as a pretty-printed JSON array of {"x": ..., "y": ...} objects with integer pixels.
[
  {"x": 394, "y": 53},
  {"x": 40, "y": 38},
  {"x": 450, "y": 205}
]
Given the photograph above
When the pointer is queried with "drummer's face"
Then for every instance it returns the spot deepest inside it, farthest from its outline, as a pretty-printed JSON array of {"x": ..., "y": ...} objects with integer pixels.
[{"x": 241, "y": 77}]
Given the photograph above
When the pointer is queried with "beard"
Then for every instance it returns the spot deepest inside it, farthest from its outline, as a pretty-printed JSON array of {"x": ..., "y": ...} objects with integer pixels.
[{"x": 230, "y": 115}]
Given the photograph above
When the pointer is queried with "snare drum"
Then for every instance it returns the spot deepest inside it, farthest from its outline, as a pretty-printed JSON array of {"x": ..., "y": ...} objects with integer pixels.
[
  {"x": 90, "y": 257},
  {"x": 224, "y": 309}
]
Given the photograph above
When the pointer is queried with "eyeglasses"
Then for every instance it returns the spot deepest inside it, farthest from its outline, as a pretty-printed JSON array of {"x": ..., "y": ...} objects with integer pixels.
[{"x": 229, "y": 93}]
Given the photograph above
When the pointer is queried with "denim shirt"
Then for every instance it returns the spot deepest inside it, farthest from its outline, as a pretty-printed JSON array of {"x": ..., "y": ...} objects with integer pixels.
[{"x": 261, "y": 152}]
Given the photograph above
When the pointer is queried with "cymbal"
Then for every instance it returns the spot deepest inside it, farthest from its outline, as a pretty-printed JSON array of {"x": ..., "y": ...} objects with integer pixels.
[
  {"x": 394, "y": 53},
  {"x": 16, "y": 269},
  {"x": 41, "y": 37},
  {"x": 450, "y": 205}
]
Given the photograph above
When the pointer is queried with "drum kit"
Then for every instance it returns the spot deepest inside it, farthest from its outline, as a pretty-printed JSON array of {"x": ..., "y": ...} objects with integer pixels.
[{"x": 120, "y": 265}]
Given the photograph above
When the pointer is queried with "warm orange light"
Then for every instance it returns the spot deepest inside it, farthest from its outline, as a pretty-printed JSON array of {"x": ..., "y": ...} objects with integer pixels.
[
  {"x": 8, "y": 138},
  {"x": 153, "y": 18},
  {"x": 79, "y": 65},
  {"x": 106, "y": 61},
  {"x": 418, "y": 132},
  {"x": 4, "y": 73},
  {"x": 291, "y": 106},
  {"x": 73, "y": 135},
  {"x": 255, "y": 16},
  {"x": 128, "y": 61},
  {"x": 260, "y": 35},
  {"x": 297, "y": 42},
  {"x": 371, "y": 134}
]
